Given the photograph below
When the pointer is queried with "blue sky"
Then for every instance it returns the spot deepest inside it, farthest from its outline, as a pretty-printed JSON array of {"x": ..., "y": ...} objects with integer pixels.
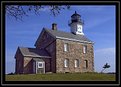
[{"x": 99, "y": 27}]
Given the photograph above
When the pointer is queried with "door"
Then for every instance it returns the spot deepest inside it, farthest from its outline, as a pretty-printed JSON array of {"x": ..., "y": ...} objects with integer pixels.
[{"x": 40, "y": 67}]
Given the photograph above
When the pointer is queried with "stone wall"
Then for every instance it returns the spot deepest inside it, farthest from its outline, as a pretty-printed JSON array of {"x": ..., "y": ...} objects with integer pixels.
[
  {"x": 56, "y": 50},
  {"x": 75, "y": 51}
]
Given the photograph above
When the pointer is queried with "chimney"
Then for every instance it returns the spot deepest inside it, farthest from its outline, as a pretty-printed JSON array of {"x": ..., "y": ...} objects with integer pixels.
[{"x": 54, "y": 26}]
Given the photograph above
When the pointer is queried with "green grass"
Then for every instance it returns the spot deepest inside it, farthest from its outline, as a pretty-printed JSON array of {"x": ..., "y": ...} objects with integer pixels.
[{"x": 62, "y": 77}]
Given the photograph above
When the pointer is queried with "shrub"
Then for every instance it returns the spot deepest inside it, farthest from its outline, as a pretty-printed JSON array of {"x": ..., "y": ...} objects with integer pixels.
[{"x": 11, "y": 73}]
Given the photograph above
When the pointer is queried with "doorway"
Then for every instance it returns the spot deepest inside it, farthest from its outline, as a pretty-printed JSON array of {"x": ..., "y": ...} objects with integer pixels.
[{"x": 38, "y": 66}]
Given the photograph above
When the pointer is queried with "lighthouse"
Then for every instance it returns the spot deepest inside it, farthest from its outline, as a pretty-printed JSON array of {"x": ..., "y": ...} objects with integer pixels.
[{"x": 76, "y": 24}]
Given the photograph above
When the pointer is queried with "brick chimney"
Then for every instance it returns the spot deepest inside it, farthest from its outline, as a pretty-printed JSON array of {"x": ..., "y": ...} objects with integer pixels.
[{"x": 54, "y": 26}]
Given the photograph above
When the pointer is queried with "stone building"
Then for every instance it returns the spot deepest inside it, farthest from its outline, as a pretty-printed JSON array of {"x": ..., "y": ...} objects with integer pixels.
[{"x": 57, "y": 51}]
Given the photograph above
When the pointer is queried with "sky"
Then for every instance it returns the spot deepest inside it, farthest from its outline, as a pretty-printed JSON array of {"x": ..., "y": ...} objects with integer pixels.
[{"x": 99, "y": 26}]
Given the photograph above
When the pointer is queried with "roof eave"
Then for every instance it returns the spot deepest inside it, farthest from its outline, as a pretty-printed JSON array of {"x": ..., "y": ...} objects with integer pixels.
[
  {"x": 37, "y": 56},
  {"x": 74, "y": 40},
  {"x": 50, "y": 34}
]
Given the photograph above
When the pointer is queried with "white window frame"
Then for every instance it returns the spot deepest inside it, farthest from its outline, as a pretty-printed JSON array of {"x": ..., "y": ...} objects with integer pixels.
[
  {"x": 84, "y": 49},
  {"x": 86, "y": 64},
  {"x": 65, "y": 47},
  {"x": 66, "y": 63},
  {"x": 39, "y": 64},
  {"x": 76, "y": 63}
]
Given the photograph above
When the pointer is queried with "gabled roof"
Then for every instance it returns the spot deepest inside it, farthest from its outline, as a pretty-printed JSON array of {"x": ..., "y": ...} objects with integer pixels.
[
  {"x": 34, "y": 52},
  {"x": 68, "y": 36}
]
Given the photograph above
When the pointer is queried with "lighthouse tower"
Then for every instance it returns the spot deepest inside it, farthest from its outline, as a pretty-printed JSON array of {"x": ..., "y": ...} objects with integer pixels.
[{"x": 76, "y": 24}]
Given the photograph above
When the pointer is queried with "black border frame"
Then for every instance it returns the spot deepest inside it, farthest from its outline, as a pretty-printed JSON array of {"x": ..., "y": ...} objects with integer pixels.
[{"x": 60, "y": 83}]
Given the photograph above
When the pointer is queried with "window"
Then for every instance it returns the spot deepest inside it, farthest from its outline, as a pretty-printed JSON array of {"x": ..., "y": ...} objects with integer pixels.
[
  {"x": 66, "y": 63},
  {"x": 65, "y": 47},
  {"x": 76, "y": 63},
  {"x": 40, "y": 64},
  {"x": 84, "y": 49},
  {"x": 86, "y": 64}
]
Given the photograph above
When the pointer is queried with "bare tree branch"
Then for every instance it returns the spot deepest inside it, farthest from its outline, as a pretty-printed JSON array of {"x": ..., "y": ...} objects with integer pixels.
[{"x": 19, "y": 11}]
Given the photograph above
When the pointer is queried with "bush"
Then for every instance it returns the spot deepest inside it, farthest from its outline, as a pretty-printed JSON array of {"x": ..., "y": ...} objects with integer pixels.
[{"x": 11, "y": 73}]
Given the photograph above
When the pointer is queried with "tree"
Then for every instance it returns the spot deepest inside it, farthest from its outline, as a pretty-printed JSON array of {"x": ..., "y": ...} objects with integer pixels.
[
  {"x": 105, "y": 66},
  {"x": 18, "y": 11}
]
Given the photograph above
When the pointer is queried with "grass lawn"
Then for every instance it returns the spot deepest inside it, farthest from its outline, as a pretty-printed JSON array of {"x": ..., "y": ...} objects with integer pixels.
[{"x": 62, "y": 77}]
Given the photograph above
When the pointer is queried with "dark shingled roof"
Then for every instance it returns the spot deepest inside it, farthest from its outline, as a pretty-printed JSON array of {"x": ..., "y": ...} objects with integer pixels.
[
  {"x": 34, "y": 52},
  {"x": 68, "y": 36}
]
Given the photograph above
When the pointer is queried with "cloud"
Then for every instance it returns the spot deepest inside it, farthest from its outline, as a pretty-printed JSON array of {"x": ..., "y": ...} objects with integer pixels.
[
  {"x": 106, "y": 50},
  {"x": 102, "y": 56},
  {"x": 96, "y": 21},
  {"x": 91, "y": 8}
]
